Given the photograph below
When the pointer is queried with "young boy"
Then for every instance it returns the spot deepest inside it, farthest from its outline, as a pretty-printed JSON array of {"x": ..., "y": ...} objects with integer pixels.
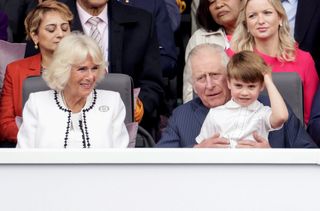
[{"x": 243, "y": 114}]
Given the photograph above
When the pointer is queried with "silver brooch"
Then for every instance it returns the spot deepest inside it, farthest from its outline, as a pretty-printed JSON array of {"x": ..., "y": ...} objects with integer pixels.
[{"x": 104, "y": 108}]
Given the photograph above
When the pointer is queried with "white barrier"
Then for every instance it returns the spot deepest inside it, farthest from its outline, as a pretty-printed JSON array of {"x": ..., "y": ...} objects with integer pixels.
[{"x": 159, "y": 179}]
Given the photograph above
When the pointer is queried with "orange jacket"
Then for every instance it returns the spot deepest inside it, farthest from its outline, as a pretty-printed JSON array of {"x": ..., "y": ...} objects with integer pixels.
[{"x": 11, "y": 97}]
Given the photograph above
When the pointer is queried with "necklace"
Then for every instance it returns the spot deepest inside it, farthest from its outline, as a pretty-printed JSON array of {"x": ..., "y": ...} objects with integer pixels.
[
  {"x": 82, "y": 123},
  {"x": 66, "y": 104}
]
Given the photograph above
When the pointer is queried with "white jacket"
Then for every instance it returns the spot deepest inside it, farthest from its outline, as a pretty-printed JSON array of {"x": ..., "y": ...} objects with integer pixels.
[{"x": 45, "y": 124}]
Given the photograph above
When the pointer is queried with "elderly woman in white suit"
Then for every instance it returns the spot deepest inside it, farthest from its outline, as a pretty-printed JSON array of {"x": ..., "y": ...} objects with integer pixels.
[{"x": 73, "y": 114}]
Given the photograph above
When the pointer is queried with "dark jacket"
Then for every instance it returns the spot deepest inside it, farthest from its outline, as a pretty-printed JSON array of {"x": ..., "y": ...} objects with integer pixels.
[
  {"x": 314, "y": 122},
  {"x": 164, "y": 31},
  {"x": 133, "y": 50},
  {"x": 307, "y": 28}
]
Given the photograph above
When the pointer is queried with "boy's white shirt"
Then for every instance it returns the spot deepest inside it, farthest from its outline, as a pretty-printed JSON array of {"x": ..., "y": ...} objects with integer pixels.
[{"x": 235, "y": 122}]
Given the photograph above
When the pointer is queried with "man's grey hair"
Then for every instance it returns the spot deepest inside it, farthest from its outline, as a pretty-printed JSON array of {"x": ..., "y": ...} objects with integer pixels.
[{"x": 216, "y": 49}]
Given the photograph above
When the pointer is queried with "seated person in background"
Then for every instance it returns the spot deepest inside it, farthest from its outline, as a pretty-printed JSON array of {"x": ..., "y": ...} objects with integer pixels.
[
  {"x": 314, "y": 123},
  {"x": 167, "y": 47},
  {"x": 46, "y": 25},
  {"x": 129, "y": 43},
  {"x": 304, "y": 19},
  {"x": 217, "y": 20},
  {"x": 3, "y": 26},
  {"x": 73, "y": 114},
  {"x": 174, "y": 13},
  {"x": 186, "y": 121},
  {"x": 17, "y": 11},
  {"x": 263, "y": 27},
  {"x": 244, "y": 114}
]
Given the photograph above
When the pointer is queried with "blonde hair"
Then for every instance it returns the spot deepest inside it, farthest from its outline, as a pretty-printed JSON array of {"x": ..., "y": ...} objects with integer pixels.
[
  {"x": 73, "y": 49},
  {"x": 35, "y": 16},
  {"x": 247, "y": 66},
  {"x": 243, "y": 40}
]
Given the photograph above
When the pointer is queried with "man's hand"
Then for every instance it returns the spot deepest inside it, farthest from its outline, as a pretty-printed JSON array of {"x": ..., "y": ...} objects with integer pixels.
[
  {"x": 259, "y": 143},
  {"x": 214, "y": 142}
]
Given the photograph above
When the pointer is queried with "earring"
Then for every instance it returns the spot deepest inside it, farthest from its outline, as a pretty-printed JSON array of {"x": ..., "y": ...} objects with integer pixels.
[
  {"x": 36, "y": 46},
  {"x": 280, "y": 24}
]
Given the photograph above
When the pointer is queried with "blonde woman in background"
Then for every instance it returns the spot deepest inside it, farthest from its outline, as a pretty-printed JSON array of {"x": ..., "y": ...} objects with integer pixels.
[{"x": 263, "y": 27}]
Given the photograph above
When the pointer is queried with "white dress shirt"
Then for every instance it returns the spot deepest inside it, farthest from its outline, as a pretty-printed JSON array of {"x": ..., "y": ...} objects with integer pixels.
[
  {"x": 234, "y": 122},
  {"x": 290, "y": 7},
  {"x": 102, "y": 26}
]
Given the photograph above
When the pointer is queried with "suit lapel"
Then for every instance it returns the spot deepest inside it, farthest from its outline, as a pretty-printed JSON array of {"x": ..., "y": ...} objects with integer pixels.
[
  {"x": 305, "y": 11},
  {"x": 119, "y": 18},
  {"x": 35, "y": 65},
  {"x": 200, "y": 111},
  {"x": 76, "y": 23},
  {"x": 116, "y": 33}
]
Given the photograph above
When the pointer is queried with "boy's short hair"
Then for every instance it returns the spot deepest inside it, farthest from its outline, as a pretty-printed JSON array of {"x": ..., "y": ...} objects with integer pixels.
[{"x": 248, "y": 67}]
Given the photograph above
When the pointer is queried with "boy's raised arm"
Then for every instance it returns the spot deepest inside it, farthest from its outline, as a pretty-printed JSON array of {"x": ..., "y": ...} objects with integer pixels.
[{"x": 278, "y": 107}]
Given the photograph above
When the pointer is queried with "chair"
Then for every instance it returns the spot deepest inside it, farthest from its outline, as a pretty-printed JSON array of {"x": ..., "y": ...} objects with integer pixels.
[
  {"x": 9, "y": 52},
  {"x": 290, "y": 87},
  {"x": 144, "y": 139},
  {"x": 114, "y": 81},
  {"x": 124, "y": 85}
]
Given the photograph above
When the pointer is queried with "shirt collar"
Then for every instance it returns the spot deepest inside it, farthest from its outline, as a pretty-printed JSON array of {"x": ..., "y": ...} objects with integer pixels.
[
  {"x": 220, "y": 32},
  {"x": 84, "y": 16},
  {"x": 289, "y": 1},
  {"x": 231, "y": 104},
  {"x": 208, "y": 33}
]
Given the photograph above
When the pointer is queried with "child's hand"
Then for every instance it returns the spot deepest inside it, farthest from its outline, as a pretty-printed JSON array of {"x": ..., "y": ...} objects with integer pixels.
[
  {"x": 267, "y": 76},
  {"x": 267, "y": 72}
]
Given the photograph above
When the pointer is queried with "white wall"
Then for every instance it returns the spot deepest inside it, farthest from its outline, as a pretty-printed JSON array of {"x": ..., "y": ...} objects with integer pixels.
[{"x": 153, "y": 179}]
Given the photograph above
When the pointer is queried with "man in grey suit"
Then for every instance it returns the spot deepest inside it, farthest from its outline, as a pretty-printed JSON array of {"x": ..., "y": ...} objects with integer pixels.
[{"x": 209, "y": 61}]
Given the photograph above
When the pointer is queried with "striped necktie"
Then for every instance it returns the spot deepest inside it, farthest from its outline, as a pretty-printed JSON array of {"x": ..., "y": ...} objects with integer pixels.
[{"x": 94, "y": 32}]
